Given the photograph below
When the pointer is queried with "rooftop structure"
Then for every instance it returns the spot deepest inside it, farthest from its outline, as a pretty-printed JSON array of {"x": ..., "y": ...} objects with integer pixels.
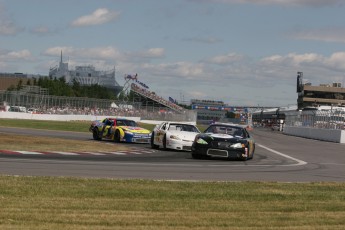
[
  {"x": 86, "y": 75},
  {"x": 324, "y": 94},
  {"x": 11, "y": 79}
]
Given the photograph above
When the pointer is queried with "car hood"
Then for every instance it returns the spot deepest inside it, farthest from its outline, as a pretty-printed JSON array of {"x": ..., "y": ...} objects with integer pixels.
[
  {"x": 135, "y": 129},
  {"x": 183, "y": 134},
  {"x": 219, "y": 136}
]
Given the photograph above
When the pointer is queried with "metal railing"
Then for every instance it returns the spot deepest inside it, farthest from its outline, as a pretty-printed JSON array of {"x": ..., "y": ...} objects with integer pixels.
[
  {"x": 332, "y": 119},
  {"x": 48, "y": 104}
]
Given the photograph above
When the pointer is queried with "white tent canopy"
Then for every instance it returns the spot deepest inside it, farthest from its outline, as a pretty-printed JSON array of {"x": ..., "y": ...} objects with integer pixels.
[{"x": 113, "y": 105}]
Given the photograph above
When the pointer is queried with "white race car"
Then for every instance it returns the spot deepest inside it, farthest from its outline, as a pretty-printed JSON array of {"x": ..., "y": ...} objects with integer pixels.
[{"x": 174, "y": 135}]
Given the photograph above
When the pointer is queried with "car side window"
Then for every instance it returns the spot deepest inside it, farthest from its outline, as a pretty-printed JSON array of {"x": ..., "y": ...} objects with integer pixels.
[
  {"x": 107, "y": 122},
  {"x": 246, "y": 134},
  {"x": 175, "y": 127},
  {"x": 211, "y": 129},
  {"x": 164, "y": 126}
]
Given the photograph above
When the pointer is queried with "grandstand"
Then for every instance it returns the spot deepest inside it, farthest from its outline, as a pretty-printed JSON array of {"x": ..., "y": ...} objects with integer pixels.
[
  {"x": 144, "y": 97},
  {"x": 145, "y": 104},
  {"x": 272, "y": 116}
]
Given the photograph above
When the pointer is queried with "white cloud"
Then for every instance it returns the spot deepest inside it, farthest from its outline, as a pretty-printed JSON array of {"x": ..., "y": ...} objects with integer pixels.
[
  {"x": 337, "y": 61},
  {"x": 42, "y": 30},
  {"x": 317, "y": 68},
  {"x": 180, "y": 70},
  {"x": 84, "y": 53},
  {"x": 109, "y": 54},
  {"x": 207, "y": 40},
  {"x": 293, "y": 59},
  {"x": 7, "y": 26},
  {"x": 197, "y": 94},
  {"x": 223, "y": 73},
  {"x": 150, "y": 53},
  {"x": 272, "y": 71},
  {"x": 98, "y": 17},
  {"x": 16, "y": 55},
  {"x": 330, "y": 34},
  {"x": 226, "y": 59},
  {"x": 309, "y": 3}
]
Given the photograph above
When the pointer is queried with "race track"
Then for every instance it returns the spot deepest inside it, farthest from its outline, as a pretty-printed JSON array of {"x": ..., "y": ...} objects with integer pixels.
[{"x": 278, "y": 157}]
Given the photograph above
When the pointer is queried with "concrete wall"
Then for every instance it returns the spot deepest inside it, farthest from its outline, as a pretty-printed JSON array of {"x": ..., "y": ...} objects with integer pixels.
[
  {"x": 332, "y": 135},
  {"x": 57, "y": 117}
]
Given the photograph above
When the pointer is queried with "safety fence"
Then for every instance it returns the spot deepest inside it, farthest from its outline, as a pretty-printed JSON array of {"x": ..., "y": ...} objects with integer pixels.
[
  {"x": 48, "y": 104},
  {"x": 331, "y": 119}
]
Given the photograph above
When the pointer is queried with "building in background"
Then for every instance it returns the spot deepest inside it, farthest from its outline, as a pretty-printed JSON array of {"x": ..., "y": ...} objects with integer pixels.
[
  {"x": 86, "y": 76},
  {"x": 322, "y": 95},
  {"x": 12, "y": 80},
  {"x": 8, "y": 80},
  {"x": 209, "y": 111}
]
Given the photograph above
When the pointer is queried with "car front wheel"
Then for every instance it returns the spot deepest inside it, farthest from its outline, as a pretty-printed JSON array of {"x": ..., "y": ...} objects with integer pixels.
[{"x": 153, "y": 146}]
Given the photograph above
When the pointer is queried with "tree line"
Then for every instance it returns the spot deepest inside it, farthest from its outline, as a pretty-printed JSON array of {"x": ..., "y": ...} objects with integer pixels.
[{"x": 59, "y": 87}]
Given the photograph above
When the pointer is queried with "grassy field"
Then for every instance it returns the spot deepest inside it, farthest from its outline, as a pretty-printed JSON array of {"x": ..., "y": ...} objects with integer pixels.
[
  {"x": 71, "y": 203},
  {"x": 76, "y": 126},
  {"x": 81, "y": 203},
  {"x": 32, "y": 143}
]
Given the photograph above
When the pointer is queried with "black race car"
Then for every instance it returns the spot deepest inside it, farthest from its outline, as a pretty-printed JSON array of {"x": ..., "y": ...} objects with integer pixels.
[{"x": 224, "y": 141}]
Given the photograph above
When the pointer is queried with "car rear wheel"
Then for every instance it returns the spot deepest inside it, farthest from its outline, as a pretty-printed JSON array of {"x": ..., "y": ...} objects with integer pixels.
[
  {"x": 117, "y": 136},
  {"x": 247, "y": 157},
  {"x": 165, "y": 142},
  {"x": 244, "y": 158},
  {"x": 95, "y": 135},
  {"x": 196, "y": 156},
  {"x": 252, "y": 156},
  {"x": 153, "y": 146}
]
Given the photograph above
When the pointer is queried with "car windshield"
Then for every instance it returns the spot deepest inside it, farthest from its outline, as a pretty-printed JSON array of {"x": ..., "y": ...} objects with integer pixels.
[
  {"x": 184, "y": 127},
  {"x": 126, "y": 123},
  {"x": 221, "y": 129}
]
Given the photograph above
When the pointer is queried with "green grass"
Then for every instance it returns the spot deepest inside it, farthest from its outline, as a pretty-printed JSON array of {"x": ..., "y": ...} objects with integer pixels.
[
  {"x": 76, "y": 203},
  {"x": 72, "y": 203},
  {"x": 74, "y": 126}
]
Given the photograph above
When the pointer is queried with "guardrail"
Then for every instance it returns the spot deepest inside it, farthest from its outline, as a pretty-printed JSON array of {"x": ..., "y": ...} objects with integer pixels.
[
  {"x": 320, "y": 125},
  {"x": 317, "y": 119},
  {"x": 71, "y": 117}
]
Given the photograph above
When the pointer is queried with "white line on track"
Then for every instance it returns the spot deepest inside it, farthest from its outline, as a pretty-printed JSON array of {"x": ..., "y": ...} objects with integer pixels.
[
  {"x": 146, "y": 151},
  {"x": 29, "y": 152},
  {"x": 299, "y": 162},
  {"x": 338, "y": 164},
  {"x": 136, "y": 153},
  {"x": 66, "y": 153},
  {"x": 96, "y": 154},
  {"x": 118, "y": 153}
]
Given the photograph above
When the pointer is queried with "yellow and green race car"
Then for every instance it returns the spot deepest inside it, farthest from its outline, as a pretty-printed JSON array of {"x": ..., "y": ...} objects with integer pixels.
[{"x": 119, "y": 130}]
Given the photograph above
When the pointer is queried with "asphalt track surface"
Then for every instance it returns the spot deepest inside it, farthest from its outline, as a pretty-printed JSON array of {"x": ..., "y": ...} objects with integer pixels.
[{"x": 278, "y": 157}]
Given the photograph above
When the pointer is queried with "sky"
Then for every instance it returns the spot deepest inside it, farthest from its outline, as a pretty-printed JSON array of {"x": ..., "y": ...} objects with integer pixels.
[{"x": 241, "y": 52}]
